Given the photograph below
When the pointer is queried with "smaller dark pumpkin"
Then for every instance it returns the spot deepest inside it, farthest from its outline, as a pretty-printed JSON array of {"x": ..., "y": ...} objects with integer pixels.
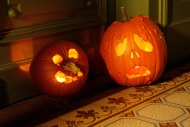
[{"x": 60, "y": 69}]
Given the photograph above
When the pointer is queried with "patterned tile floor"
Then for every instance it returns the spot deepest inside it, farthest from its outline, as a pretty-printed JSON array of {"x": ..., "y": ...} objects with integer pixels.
[{"x": 165, "y": 103}]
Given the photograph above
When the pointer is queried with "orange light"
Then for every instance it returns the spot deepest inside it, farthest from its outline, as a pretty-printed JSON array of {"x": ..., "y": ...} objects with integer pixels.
[
  {"x": 57, "y": 59},
  {"x": 73, "y": 53},
  {"x": 22, "y": 50},
  {"x": 138, "y": 71},
  {"x": 143, "y": 45},
  {"x": 80, "y": 73},
  {"x": 25, "y": 67},
  {"x": 60, "y": 76},
  {"x": 121, "y": 47}
]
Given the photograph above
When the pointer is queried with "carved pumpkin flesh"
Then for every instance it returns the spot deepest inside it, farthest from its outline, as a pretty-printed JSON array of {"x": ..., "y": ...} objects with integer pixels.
[
  {"x": 134, "y": 51},
  {"x": 60, "y": 69}
]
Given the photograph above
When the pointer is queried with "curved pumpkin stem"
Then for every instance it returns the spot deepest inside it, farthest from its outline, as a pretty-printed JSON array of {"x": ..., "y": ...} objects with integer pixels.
[
  {"x": 124, "y": 14},
  {"x": 71, "y": 66}
]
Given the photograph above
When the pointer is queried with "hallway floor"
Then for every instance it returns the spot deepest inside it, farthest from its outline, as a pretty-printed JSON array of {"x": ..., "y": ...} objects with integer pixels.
[{"x": 165, "y": 103}]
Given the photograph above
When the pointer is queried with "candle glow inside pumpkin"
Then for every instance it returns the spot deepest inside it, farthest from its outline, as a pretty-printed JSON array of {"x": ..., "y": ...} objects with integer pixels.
[
  {"x": 134, "y": 50},
  {"x": 60, "y": 75},
  {"x": 146, "y": 46}
]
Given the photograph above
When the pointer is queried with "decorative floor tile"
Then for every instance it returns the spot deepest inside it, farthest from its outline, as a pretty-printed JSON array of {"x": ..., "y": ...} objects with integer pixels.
[
  {"x": 165, "y": 103},
  {"x": 185, "y": 122},
  {"x": 161, "y": 112},
  {"x": 180, "y": 98},
  {"x": 130, "y": 122}
]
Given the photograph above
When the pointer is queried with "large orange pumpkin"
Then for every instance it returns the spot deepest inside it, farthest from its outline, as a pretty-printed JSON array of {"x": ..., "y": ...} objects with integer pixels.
[
  {"x": 134, "y": 51},
  {"x": 60, "y": 69}
]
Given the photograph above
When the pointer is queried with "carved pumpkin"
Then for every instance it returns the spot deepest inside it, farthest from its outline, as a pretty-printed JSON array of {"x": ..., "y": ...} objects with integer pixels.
[
  {"x": 60, "y": 69},
  {"x": 134, "y": 51}
]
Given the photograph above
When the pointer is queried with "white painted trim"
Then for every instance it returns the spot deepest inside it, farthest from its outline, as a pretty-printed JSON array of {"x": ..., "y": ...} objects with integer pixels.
[
  {"x": 147, "y": 7},
  {"x": 185, "y": 20},
  {"x": 163, "y": 13}
]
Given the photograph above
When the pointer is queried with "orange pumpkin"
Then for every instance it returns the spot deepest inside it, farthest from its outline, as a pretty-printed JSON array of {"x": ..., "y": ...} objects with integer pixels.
[
  {"x": 60, "y": 69},
  {"x": 134, "y": 51}
]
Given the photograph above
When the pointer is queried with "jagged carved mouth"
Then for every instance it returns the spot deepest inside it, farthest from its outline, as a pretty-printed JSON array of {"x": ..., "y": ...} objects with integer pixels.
[{"x": 138, "y": 71}]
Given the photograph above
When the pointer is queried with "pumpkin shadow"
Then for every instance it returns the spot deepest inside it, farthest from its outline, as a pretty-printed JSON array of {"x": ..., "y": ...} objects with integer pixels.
[
  {"x": 173, "y": 72},
  {"x": 3, "y": 94},
  {"x": 177, "y": 40},
  {"x": 3, "y": 33}
]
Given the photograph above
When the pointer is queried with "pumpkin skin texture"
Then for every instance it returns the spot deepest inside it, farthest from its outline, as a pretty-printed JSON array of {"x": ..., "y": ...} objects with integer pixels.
[
  {"x": 60, "y": 69},
  {"x": 134, "y": 51}
]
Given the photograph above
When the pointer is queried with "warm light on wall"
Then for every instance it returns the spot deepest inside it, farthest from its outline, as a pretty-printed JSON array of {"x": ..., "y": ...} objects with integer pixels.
[
  {"x": 25, "y": 67},
  {"x": 22, "y": 50}
]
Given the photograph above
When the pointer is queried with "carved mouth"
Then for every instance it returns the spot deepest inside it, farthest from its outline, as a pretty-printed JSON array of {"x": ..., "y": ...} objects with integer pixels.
[{"x": 137, "y": 71}]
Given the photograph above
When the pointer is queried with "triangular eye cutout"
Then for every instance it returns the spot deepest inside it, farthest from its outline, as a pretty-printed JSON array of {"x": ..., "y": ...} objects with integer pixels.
[{"x": 143, "y": 45}]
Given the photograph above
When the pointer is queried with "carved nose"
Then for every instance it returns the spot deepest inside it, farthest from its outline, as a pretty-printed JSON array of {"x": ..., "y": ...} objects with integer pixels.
[{"x": 133, "y": 54}]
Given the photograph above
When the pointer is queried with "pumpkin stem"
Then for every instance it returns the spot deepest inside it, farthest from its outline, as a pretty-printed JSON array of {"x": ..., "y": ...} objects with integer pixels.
[
  {"x": 124, "y": 14},
  {"x": 71, "y": 67}
]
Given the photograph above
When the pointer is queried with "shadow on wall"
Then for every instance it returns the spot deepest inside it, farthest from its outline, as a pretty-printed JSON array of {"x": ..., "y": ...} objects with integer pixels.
[
  {"x": 178, "y": 43},
  {"x": 3, "y": 24},
  {"x": 3, "y": 94}
]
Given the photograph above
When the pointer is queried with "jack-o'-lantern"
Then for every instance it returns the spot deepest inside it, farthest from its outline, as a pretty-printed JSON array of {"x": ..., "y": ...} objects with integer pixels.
[
  {"x": 134, "y": 51},
  {"x": 60, "y": 69}
]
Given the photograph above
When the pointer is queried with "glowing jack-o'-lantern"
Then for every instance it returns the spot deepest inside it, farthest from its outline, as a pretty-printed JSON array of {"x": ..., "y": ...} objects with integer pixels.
[
  {"x": 134, "y": 51},
  {"x": 60, "y": 69}
]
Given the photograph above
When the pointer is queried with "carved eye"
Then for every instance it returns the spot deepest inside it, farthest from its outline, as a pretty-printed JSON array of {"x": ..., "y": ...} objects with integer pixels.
[
  {"x": 60, "y": 69},
  {"x": 134, "y": 50},
  {"x": 57, "y": 59},
  {"x": 143, "y": 45},
  {"x": 121, "y": 47},
  {"x": 67, "y": 66},
  {"x": 73, "y": 53}
]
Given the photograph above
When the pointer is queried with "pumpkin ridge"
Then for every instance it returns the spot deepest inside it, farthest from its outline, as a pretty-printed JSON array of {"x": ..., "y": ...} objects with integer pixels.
[
  {"x": 111, "y": 55},
  {"x": 43, "y": 69},
  {"x": 158, "y": 52},
  {"x": 156, "y": 42},
  {"x": 139, "y": 23},
  {"x": 133, "y": 47},
  {"x": 129, "y": 32},
  {"x": 135, "y": 53},
  {"x": 122, "y": 66}
]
